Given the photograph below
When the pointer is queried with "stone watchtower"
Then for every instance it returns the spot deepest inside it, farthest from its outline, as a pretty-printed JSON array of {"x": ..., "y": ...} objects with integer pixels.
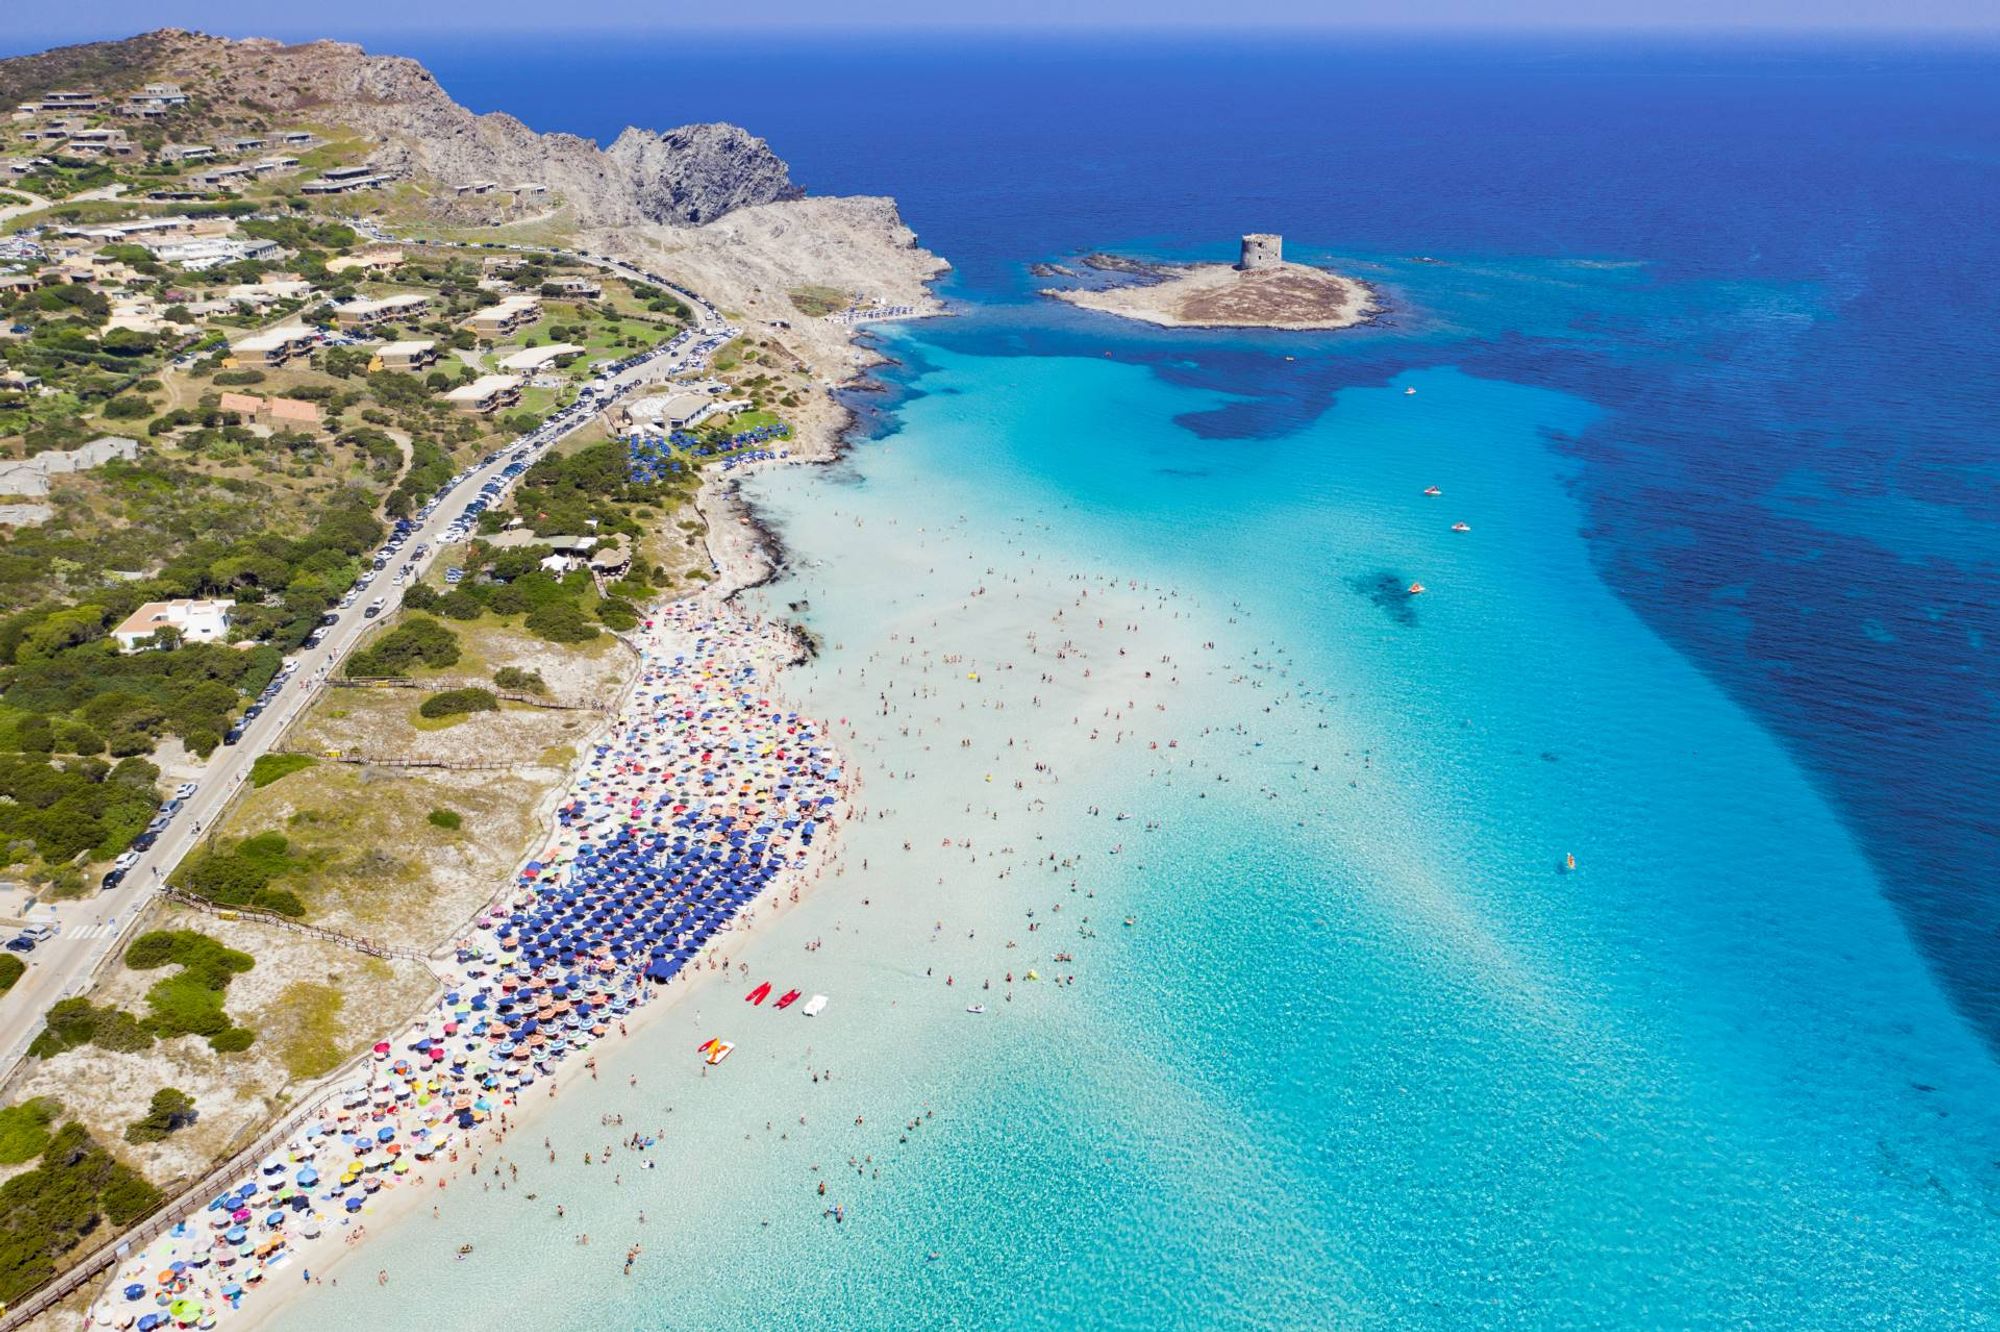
[{"x": 1262, "y": 249}]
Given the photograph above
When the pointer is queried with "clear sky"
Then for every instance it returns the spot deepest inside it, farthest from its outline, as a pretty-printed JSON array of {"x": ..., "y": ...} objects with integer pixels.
[{"x": 110, "y": 18}]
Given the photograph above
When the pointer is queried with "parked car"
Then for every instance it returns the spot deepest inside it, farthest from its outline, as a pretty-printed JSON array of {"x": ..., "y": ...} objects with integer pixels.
[
  {"x": 112, "y": 880},
  {"x": 39, "y": 933},
  {"x": 20, "y": 944},
  {"x": 186, "y": 789}
]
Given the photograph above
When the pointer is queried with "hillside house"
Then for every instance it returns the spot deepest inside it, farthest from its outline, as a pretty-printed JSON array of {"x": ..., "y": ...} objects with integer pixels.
[{"x": 194, "y": 621}]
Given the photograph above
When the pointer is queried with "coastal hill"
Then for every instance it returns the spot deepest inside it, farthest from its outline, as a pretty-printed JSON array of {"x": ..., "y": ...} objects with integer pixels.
[{"x": 685, "y": 176}]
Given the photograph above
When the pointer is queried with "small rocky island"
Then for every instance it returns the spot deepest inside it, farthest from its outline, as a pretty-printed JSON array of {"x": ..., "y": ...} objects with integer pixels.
[{"x": 1260, "y": 291}]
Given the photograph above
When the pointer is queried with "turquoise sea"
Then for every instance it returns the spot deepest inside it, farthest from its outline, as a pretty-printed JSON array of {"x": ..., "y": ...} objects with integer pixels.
[{"x": 1366, "y": 1055}]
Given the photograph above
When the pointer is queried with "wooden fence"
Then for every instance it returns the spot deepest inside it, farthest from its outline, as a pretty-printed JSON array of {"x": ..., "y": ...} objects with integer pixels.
[{"x": 267, "y": 917}]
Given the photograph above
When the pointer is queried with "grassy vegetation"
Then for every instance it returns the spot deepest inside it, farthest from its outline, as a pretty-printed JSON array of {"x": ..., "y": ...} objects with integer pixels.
[
  {"x": 446, "y": 819},
  {"x": 25, "y": 1129},
  {"x": 815, "y": 302},
  {"x": 274, "y": 767},
  {"x": 11, "y": 969},
  {"x": 306, "y": 1029}
]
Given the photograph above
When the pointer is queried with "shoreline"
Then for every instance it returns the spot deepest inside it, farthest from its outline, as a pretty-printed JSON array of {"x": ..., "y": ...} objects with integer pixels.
[
  {"x": 741, "y": 566},
  {"x": 825, "y": 438}
]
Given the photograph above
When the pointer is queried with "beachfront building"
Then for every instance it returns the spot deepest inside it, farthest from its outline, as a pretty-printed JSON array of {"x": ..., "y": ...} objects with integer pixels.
[
  {"x": 676, "y": 411},
  {"x": 486, "y": 394},
  {"x": 387, "y": 309},
  {"x": 573, "y": 288},
  {"x": 404, "y": 357},
  {"x": 505, "y": 317},
  {"x": 272, "y": 347},
  {"x": 194, "y": 621}
]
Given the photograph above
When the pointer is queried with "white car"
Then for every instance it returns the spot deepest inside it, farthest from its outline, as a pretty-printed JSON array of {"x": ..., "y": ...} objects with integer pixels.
[{"x": 186, "y": 789}]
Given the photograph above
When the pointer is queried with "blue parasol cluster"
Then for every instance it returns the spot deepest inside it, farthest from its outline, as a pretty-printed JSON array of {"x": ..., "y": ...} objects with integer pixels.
[{"x": 654, "y": 458}]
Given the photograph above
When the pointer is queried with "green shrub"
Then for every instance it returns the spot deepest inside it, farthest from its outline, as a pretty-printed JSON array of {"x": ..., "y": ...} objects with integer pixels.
[
  {"x": 455, "y": 702},
  {"x": 270, "y": 767},
  {"x": 189, "y": 1002},
  {"x": 620, "y": 615},
  {"x": 233, "y": 1041},
  {"x": 520, "y": 681},
  {"x": 12, "y": 969},
  {"x": 230, "y": 378},
  {"x": 127, "y": 409},
  {"x": 446, "y": 819},
  {"x": 75, "y": 1022},
  {"x": 25, "y": 1129},
  {"x": 171, "y": 1109},
  {"x": 560, "y": 622},
  {"x": 47, "y": 1211},
  {"x": 419, "y": 640}
]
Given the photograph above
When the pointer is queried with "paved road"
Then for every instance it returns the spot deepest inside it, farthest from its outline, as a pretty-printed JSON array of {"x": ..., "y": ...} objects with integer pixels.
[{"x": 91, "y": 929}]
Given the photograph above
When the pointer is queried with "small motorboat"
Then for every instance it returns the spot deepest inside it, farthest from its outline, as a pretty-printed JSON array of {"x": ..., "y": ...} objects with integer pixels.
[
  {"x": 1409, "y": 393},
  {"x": 975, "y": 1008},
  {"x": 720, "y": 1052},
  {"x": 787, "y": 999},
  {"x": 1461, "y": 527},
  {"x": 1416, "y": 589},
  {"x": 814, "y": 1006},
  {"x": 759, "y": 995},
  {"x": 1432, "y": 491}
]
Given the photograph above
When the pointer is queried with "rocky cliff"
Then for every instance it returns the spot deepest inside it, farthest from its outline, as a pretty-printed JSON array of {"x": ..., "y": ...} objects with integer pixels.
[{"x": 684, "y": 176}]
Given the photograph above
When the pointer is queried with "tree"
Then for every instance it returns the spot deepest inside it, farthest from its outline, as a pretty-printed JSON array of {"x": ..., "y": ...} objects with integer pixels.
[{"x": 171, "y": 1110}]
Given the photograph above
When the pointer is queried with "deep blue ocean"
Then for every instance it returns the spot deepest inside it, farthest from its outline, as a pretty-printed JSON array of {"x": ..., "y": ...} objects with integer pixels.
[{"x": 1794, "y": 477}]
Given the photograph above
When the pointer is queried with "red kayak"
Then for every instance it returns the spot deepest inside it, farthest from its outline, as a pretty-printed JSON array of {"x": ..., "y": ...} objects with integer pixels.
[
  {"x": 758, "y": 995},
  {"x": 790, "y": 996}
]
